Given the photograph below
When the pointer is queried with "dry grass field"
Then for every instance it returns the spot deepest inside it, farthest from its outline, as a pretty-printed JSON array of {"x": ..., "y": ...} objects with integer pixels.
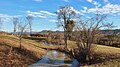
[
  {"x": 11, "y": 55},
  {"x": 106, "y": 56}
]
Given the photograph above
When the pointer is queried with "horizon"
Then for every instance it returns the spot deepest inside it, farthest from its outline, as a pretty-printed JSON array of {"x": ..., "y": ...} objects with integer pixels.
[{"x": 44, "y": 14}]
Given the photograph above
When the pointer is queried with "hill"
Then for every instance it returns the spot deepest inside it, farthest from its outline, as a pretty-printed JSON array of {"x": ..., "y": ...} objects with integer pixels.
[{"x": 11, "y": 55}]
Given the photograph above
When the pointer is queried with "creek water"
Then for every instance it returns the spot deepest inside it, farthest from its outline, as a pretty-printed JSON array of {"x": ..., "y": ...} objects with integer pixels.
[{"x": 55, "y": 58}]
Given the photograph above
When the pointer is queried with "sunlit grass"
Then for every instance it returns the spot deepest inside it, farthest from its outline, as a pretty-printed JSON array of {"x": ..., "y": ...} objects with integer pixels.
[{"x": 99, "y": 49}]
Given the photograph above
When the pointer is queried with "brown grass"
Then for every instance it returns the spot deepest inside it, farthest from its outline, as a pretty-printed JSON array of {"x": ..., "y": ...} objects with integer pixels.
[{"x": 11, "y": 55}]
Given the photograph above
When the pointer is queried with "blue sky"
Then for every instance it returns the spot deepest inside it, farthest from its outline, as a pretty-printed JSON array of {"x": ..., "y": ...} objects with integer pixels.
[{"x": 44, "y": 11}]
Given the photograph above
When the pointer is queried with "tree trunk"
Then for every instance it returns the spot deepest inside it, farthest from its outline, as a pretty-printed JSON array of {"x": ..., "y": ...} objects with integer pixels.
[{"x": 65, "y": 39}]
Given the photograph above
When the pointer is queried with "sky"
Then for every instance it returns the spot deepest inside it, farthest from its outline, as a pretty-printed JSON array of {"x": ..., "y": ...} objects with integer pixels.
[{"x": 44, "y": 14}]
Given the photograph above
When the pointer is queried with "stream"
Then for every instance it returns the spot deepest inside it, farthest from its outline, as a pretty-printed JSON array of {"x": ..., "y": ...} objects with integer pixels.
[{"x": 55, "y": 58}]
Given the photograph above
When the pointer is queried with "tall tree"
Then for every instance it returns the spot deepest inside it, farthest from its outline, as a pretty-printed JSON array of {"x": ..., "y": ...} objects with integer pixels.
[
  {"x": 85, "y": 35},
  {"x": 15, "y": 22},
  {"x": 30, "y": 19},
  {"x": 70, "y": 27},
  {"x": 65, "y": 16}
]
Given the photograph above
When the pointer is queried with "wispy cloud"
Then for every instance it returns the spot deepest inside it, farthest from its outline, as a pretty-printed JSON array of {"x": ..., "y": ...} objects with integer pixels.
[
  {"x": 41, "y": 14},
  {"x": 38, "y": 0},
  {"x": 89, "y": 1},
  {"x": 111, "y": 9},
  {"x": 105, "y": 1},
  {"x": 48, "y": 13},
  {"x": 7, "y": 18},
  {"x": 95, "y": 3},
  {"x": 66, "y": 0},
  {"x": 53, "y": 20}
]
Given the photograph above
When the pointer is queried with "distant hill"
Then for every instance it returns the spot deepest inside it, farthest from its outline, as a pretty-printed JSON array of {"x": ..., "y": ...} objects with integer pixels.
[
  {"x": 110, "y": 31},
  {"x": 46, "y": 31},
  {"x": 117, "y": 30},
  {"x": 57, "y": 31}
]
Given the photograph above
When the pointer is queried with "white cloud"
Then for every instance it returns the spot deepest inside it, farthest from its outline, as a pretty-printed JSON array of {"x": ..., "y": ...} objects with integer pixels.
[
  {"x": 105, "y": 1},
  {"x": 41, "y": 14},
  {"x": 95, "y": 3},
  {"x": 90, "y": 1},
  {"x": 48, "y": 13},
  {"x": 4, "y": 16},
  {"x": 7, "y": 18},
  {"x": 85, "y": 8},
  {"x": 33, "y": 12},
  {"x": 111, "y": 9},
  {"x": 53, "y": 20},
  {"x": 66, "y": 0},
  {"x": 38, "y": 0}
]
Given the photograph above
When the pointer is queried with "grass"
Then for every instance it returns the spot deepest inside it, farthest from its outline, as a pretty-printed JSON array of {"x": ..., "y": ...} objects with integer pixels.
[
  {"x": 107, "y": 49},
  {"x": 110, "y": 55},
  {"x": 23, "y": 56},
  {"x": 12, "y": 56}
]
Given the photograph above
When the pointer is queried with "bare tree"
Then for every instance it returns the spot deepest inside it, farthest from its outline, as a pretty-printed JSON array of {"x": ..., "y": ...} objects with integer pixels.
[
  {"x": 15, "y": 22},
  {"x": 65, "y": 16},
  {"x": 70, "y": 26},
  {"x": 30, "y": 18},
  {"x": 21, "y": 29},
  {"x": 85, "y": 35},
  {"x": 111, "y": 36},
  {"x": 109, "y": 26}
]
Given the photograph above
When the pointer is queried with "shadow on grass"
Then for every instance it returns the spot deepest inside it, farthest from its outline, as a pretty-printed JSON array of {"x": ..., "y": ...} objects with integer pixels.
[
  {"x": 38, "y": 39},
  {"x": 102, "y": 58},
  {"x": 14, "y": 56}
]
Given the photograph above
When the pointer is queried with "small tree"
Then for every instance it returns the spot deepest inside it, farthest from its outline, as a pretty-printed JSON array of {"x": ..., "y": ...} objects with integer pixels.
[
  {"x": 21, "y": 29},
  {"x": 111, "y": 33},
  {"x": 30, "y": 18},
  {"x": 65, "y": 16}
]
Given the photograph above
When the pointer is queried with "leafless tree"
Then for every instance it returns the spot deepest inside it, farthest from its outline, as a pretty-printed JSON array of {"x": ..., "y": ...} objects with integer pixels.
[
  {"x": 65, "y": 16},
  {"x": 111, "y": 36},
  {"x": 109, "y": 26},
  {"x": 21, "y": 29},
  {"x": 85, "y": 35},
  {"x": 15, "y": 22},
  {"x": 30, "y": 19}
]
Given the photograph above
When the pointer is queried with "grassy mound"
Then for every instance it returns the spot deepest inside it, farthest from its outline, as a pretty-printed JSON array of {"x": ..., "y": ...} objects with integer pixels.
[{"x": 11, "y": 55}]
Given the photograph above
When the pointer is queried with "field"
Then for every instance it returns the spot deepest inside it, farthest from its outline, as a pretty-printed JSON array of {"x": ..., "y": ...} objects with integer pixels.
[
  {"x": 105, "y": 56},
  {"x": 11, "y": 55}
]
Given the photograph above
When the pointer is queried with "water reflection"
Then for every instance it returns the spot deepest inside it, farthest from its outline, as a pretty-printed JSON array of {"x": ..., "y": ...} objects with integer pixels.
[{"x": 55, "y": 59}]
